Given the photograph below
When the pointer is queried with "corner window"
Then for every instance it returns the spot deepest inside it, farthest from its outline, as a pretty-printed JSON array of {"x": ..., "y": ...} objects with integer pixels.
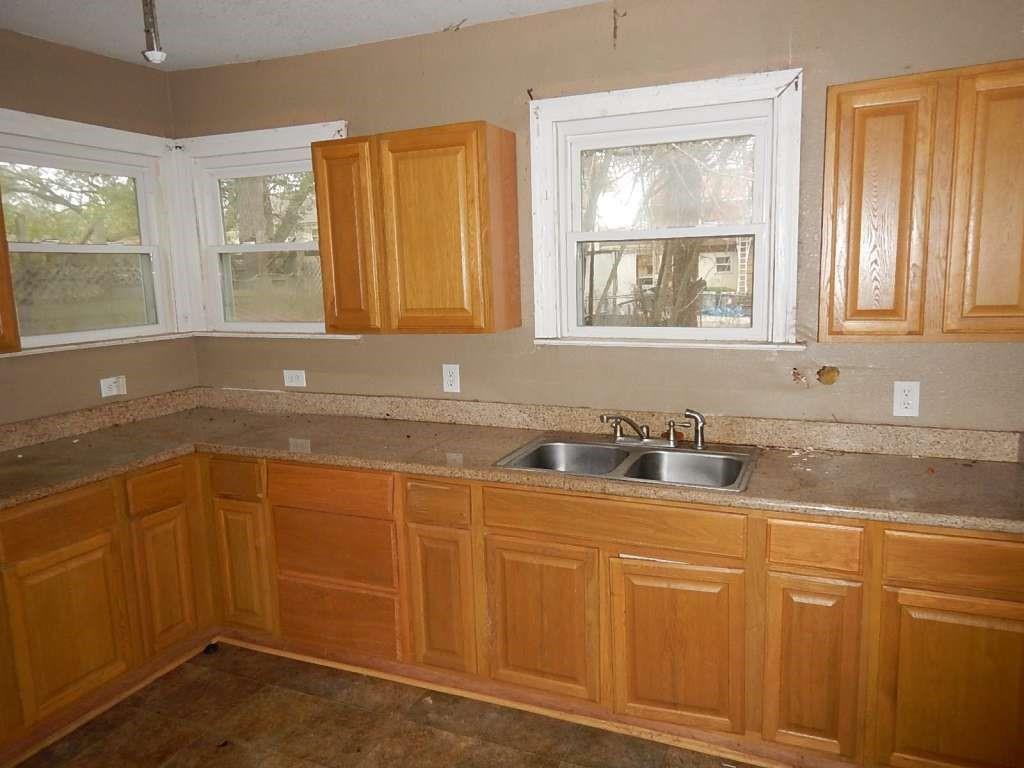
[
  {"x": 668, "y": 214},
  {"x": 257, "y": 210},
  {"x": 85, "y": 260}
]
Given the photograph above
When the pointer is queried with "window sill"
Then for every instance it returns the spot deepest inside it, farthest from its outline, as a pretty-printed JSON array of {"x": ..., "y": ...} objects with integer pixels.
[
  {"x": 29, "y": 351},
  {"x": 760, "y": 346}
]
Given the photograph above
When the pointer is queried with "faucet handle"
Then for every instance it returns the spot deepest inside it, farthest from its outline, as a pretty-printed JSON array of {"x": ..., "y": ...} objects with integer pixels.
[{"x": 615, "y": 421}]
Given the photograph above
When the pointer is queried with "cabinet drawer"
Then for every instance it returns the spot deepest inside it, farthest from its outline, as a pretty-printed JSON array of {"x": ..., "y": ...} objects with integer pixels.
[
  {"x": 338, "y": 620},
  {"x": 330, "y": 490},
  {"x": 56, "y": 522},
  {"x": 816, "y": 545},
  {"x": 434, "y": 503},
  {"x": 236, "y": 479},
  {"x": 336, "y": 547},
  {"x": 157, "y": 489},
  {"x": 691, "y": 529},
  {"x": 947, "y": 561}
]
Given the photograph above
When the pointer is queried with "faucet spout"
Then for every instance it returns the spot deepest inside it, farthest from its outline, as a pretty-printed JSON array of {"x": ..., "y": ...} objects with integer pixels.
[
  {"x": 616, "y": 420},
  {"x": 698, "y": 427}
]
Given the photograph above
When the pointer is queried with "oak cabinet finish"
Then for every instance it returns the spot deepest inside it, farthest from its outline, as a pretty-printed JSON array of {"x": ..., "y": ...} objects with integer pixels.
[
  {"x": 923, "y": 217},
  {"x": 349, "y": 235},
  {"x": 241, "y": 534},
  {"x": 69, "y": 624},
  {"x": 441, "y": 597},
  {"x": 10, "y": 340},
  {"x": 951, "y": 681},
  {"x": 420, "y": 230},
  {"x": 678, "y": 643},
  {"x": 544, "y": 617},
  {"x": 811, "y": 662}
]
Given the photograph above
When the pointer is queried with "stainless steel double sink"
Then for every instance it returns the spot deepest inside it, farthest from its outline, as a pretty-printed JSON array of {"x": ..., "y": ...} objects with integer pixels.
[{"x": 648, "y": 461}]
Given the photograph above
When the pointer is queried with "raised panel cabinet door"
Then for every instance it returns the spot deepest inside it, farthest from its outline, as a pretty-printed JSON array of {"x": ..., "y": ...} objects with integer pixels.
[
  {"x": 811, "y": 662},
  {"x": 348, "y": 234},
  {"x": 985, "y": 281},
  {"x": 441, "y": 590},
  {"x": 678, "y": 642},
  {"x": 244, "y": 559},
  {"x": 431, "y": 198},
  {"x": 68, "y": 623},
  {"x": 10, "y": 340},
  {"x": 879, "y": 147},
  {"x": 543, "y": 600},
  {"x": 164, "y": 564},
  {"x": 951, "y": 681}
]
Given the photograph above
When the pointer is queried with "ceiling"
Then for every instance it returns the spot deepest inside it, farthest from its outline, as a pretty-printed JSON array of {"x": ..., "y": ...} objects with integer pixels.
[{"x": 202, "y": 33}]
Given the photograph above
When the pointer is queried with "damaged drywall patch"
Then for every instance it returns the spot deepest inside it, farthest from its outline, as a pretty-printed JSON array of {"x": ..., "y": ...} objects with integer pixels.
[{"x": 828, "y": 375}]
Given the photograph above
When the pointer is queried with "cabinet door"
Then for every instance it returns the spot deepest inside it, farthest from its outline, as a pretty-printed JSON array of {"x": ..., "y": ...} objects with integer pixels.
[
  {"x": 242, "y": 547},
  {"x": 68, "y": 623},
  {"x": 349, "y": 235},
  {"x": 677, "y": 643},
  {"x": 811, "y": 662},
  {"x": 430, "y": 185},
  {"x": 164, "y": 565},
  {"x": 441, "y": 587},
  {"x": 878, "y": 165},
  {"x": 10, "y": 341},
  {"x": 985, "y": 282},
  {"x": 951, "y": 681},
  {"x": 543, "y": 602}
]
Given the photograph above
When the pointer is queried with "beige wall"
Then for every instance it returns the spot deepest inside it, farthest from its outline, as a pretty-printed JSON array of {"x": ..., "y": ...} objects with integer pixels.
[{"x": 485, "y": 71}]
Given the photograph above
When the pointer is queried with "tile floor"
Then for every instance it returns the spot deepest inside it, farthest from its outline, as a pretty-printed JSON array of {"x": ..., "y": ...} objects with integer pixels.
[{"x": 240, "y": 709}]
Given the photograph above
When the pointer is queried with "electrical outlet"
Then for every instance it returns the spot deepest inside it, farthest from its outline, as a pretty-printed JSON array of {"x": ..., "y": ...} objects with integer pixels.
[
  {"x": 294, "y": 378},
  {"x": 906, "y": 398},
  {"x": 114, "y": 385},
  {"x": 299, "y": 445},
  {"x": 450, "y": 377}
]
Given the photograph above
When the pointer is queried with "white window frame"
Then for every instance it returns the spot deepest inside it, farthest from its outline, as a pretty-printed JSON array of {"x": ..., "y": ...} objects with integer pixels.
[
  {"x": 236, "y": 155},
  {"x": 768, "y": 103},
  {"x": 46, "y": 141}
]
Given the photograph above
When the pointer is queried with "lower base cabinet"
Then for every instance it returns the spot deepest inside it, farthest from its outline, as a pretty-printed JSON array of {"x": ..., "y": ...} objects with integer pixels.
[
  {"x": 678, "y": 642},
  {"x": 69, "y": 623},
  {"x": 544, "y": 614},
  {"x": 241, "y": 534},
  {"x": 951, "y": 681},
  {"x": 811, "y": 662}
]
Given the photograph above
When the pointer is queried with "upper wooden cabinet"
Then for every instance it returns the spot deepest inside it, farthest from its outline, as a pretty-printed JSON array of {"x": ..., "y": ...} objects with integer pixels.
[
  {"x": 923, "y": 225},
  {"x": 10, "y": 341},
  {"x": 419, "y": 231}
]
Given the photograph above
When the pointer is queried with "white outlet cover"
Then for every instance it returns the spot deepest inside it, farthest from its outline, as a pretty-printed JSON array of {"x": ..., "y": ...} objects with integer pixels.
[
  {"x": 450, "y": 377},
  {"x": 906, "y": 398},
  {"x": 296, "y": 378},
  {"x": 113, "y": 385}
]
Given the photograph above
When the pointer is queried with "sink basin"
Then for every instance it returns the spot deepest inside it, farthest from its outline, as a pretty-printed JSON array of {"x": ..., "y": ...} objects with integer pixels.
[
  {"x": 575, "y": 458},
  {"x": 647, "y": 461},
  {"x": 713, "y": 470}
]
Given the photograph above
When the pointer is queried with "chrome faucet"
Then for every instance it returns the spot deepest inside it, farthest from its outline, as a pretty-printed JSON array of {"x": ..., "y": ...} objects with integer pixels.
[
  {"x": 616, "y": 421},
  {"x": 698, "y": 427}
]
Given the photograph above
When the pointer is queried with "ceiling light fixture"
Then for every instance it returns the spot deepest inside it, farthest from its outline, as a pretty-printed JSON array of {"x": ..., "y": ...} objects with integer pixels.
[{"x": 154, "y": 53}]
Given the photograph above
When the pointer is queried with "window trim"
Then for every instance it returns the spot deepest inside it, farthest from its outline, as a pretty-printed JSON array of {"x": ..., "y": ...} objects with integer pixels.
[
  {"x": 47, "y": 141},
  {"x": 235, "y": 155},
  {"x": 555, "y": 120}
]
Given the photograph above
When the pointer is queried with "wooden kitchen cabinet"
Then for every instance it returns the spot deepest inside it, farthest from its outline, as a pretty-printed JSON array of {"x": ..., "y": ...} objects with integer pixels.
[
  {"x": 923, "y": 209},
  {"x": 10, "y": 341},
  {"x": 812, "y": 662},
  {"x": 678, "y": 642},
  {"x": 242, "y": 547},
  {"x": 543, "y": 602},
  {"x": 420, "y": 230},
  {"x": 441, "y": 597},
  {"x": 951, "y": 681}
]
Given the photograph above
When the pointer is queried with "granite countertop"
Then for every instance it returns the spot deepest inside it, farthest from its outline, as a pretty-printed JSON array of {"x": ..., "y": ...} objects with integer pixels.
[{"x": 977, "y": 495}]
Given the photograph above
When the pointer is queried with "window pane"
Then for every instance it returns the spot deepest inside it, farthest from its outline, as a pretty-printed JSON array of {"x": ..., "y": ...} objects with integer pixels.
[
  {"x": 65, "y": 292},
  {"x": 684, "y": 282},
  {"x": 272, "y": 287},
  {"x": 54, "y": 205},
  {"x": 678, "y": 184},
  {"x": 280, "y": 208}
]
